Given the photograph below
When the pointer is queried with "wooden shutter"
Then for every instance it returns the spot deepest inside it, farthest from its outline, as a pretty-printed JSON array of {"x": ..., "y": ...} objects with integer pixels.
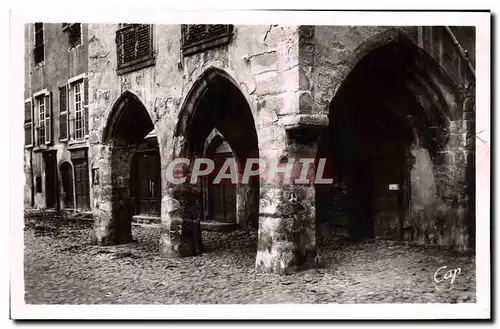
[
  {"x": 28, "y": 124},
  {"x": 35, "y": 123},
  {"x": 143, "y": 41},
  {"x": 63, "y": 113},
  {"x": 27, "y": 112},
  {"x": 48, "y": 118},
  {"x": 86, "y": 104}
]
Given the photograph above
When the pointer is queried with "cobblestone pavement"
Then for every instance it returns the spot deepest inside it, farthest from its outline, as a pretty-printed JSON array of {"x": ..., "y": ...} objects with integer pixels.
[{"x": 61, "y": 267}]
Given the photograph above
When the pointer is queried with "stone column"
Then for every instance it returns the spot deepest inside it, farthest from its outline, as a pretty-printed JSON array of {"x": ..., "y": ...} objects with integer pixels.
[
  {"x": 180, "y": 216},
  {"x": 287, "y": 230},
  {"x": 112, "y": 207}
]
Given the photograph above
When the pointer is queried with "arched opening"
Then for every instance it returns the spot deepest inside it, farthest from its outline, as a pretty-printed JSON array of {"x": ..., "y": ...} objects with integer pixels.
[
  {"x": 214, "y": 103},
  {"x": 134, "y": 166},
  {"x": 387, "y": 128},
  {"x": 68, "y": 190}
]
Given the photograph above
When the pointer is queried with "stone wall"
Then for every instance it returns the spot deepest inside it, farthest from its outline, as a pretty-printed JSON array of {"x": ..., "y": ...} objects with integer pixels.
[
  {"x": 440, "y": 210},
  {"x": 289, "y": 76}
]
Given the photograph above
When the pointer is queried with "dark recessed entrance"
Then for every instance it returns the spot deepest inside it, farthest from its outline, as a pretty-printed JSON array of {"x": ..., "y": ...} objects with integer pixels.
[
  {"x": 51, "y": 191},
  {"x": 376, "y": 122}
]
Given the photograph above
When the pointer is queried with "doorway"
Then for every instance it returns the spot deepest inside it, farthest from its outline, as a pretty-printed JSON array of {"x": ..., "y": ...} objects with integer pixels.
[
  {"x": 82, "y": 188},
  {"x": 222, "y": 195},
  {"x": 51, "y": 192},
  {"x": 67, "y": 185},
  {"x": 145, "y": 183}
]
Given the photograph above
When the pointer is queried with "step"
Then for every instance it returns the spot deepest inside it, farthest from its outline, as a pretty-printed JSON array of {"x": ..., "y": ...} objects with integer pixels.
[
  {"x": 205, "y": 225},
  {"x": 146, "y": 219}
]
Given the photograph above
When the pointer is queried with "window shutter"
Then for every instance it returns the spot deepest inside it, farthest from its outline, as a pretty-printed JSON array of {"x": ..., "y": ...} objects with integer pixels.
[
  {"x": 63, "y": 113},
  {"x": 48, "y": 121},
  {"x": 63, "y": 126},
  {"x": 35, "y": 134},
  {"x": 27, "y": 112},
  {"x": 86, "y": 104},
  {"x": 28, "y": 124},
  {"x": 27, "y": 134},
  {"x": 143, "y": 40}
]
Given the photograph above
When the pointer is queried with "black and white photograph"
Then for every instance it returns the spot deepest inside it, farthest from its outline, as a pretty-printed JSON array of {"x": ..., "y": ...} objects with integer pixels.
[{"x": 334, "y": 159}]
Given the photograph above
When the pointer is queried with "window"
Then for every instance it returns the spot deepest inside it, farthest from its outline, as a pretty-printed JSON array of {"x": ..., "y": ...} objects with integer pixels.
[
  {"x": 134, "y": 45},
  {"x": 43, "y": 126},
  {"x": 198, "y": 38},
  {"x": 79, "y": 121},
  {"x": 75, "y": 35},
  {"x": 40, "y": 101},
  {"x": 28, "y": 124},
  {"x": 38, "y": 51},
  {"x": 79, "y": 109}
]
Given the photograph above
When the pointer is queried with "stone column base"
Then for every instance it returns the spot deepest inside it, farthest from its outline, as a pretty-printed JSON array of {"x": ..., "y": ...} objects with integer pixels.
[
  {"x": 181, "y": 239},
  {"x": 283, "y": 247},
  {"x": 107, "y": 231}
]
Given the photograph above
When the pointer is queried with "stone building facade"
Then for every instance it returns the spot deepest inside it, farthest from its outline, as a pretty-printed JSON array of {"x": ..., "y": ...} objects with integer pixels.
[
  {"x": 391, "y": 109},
  {"x": 56, "y": 116}
]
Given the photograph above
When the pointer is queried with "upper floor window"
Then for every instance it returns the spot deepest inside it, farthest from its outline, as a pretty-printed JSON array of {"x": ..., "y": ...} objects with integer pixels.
[
  {"x": 134, "y": 45},
  {"x": 43, "y": 114},
  {"x": 78, "y": 110},
  {"x": 38, "y": 49},
  {"x": 198, "y": 38},
  {"x": 74, "y": 34}
]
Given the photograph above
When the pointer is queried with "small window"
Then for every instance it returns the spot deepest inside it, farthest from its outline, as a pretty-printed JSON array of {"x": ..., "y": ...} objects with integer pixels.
[
  {"x": 38, "y": 184},
  {"x": 75, "y": 35},
  {"x": 38, "y": 50},
  {"x": 134, "y": 45}
]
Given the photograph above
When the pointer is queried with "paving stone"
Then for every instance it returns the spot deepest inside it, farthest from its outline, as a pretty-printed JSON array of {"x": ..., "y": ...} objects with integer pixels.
[{"x": 61, "y": 267}]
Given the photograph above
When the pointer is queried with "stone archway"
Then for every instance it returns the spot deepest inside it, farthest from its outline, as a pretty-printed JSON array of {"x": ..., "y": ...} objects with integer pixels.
[
  {"x": 215, "y": 101},
  {"x": 127, "y": 126},
  {"x": 390, "y": 152}
]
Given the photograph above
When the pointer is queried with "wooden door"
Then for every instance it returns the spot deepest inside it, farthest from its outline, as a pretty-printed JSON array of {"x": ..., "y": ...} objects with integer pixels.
[
  {"x": 146, "y": 183},
  {"x": 82, "y": 192},
  {"x": 222, "y": 196},
  {"x": 389, "y": 193}
]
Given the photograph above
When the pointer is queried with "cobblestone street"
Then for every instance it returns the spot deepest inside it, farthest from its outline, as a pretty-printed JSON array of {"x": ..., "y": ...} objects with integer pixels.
[{"x": 61, "y": 267}]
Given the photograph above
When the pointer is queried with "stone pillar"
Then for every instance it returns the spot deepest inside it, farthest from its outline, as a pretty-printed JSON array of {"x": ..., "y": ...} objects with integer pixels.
[
  {"x": 180, "y": 216},
  {"x": 469, "y": 126},
  {"x": 287, "y": 230},
  {"x": 112, "y": 206}
]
